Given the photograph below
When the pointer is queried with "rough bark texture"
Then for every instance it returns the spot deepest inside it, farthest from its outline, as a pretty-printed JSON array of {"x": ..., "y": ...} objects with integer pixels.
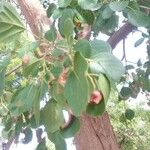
[
  {"x": 96, "y": 133},
  {"x": 35, "y": 16}
]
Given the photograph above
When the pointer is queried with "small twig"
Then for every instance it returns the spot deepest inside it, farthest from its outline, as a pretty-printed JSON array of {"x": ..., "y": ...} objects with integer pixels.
[
  {"x": 124, "y": 52},
  {"x": 13, "y": 70}
]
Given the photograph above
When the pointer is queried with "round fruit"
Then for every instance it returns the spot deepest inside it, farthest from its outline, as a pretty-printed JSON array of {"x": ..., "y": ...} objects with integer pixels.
[
  {"x": 63, "y": 77},
  {"x": 96, "y": 97},
  {"x": 25, "y": 59}
]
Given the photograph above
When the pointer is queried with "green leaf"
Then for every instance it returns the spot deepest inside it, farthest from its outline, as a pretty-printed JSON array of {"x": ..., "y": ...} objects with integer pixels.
[
  {"x": 96, "y": 109},
  {"x": 89, "y": 4},
  {"x": 118, "y": 5},
  {"x": 72, "y": 129},
  {"x": 110, "y": 24},
  {"x": 57, "y": 92},
  {"x": 52, "y": 116},
  {"x": 64, "y": 3},
  {"x": 76, "y": 93},
  {"x": 68, "y": 28},
  {"x": 107, "y": 13},
  {"x": 138, "y": 18},
  {"x": 87, "y": 15},
  {"x": 2, "y": 81},
  {"x": 84, "y": 47},
  {"x": 10, "y": 23},
  {"x": 104, "y": 86},
  {"x": 31, "y": 69},
  {"x": 125, "y": 92},
  {"x": 57, "y": 14},
  {"x": 108, "y": 64},
  {"x": 128, "y": 67},
  {"x": 122, "y": 118},
  {"x": 139, "y": 42},
  {"x": 80, "y": 65},
  {"x": 42, "y": 90},
  {"x": 42, "y": 146},
  {"x": 23, "y": 100},
  {"x": 18, "y": 127},
  {"x": 66, "y": 14},
  {"x": 28, "y": 47},
  {"x": 51, "y": 34},
  {"x": 46, "y": 144},
  {"x": 58, "y": 140},
  {"x": 4, "y": 61},
  {"x": 76, "y": 88},
  {"x": 139, "y": 63},
  {"x": 50, "y": 9},
  {"x": 129, "y": 114},
  {"x": 57, "y": 68},
  {"x": 98, "y": 24},
  {"x": 99, "y": 46}
]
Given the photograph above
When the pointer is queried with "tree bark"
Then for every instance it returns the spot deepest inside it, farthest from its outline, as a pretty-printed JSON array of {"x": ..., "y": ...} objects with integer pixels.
[{"x": 96, "y": 133}]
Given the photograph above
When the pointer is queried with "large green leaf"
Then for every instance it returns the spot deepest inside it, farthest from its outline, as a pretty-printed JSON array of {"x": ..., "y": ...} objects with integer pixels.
[
  {"x": 42, "y": 90},
  {"x": 89, "y": 4},
  {"x": 23, "y": 100},
  {"x": 99, "y": 46},
  {"x": 66, "y": 14},
  {"x": 68, "y": 27},
  {"x": 76, "y": 93},
  {"x": 72, "y": 129},
  {"x": 29, "y": 47},
  {"x": 104, "y": 86},
  {"x": 2, "y": 81},
  {"x": 138, "y": 18},
  {"x": 57, "y": 92},
  {"x": 96, "y": 109},
  {"x": 51, "y": 34},
  {"x": 4, "y": 61},
  {"x": 76, "y": 87},
  {"x": 58, "y": 140},
  {"x": 84, "y": 47},
  {"x": 108, "y": 64},
  {"x": 31, "y": 69},
  {"x": 107, "y": 13},
  {"x": 80, "y": 64},
  {"x": 51, "y": 9},
  {"x": 64, "y": 3},
  {"x": 86, "y": 15},
  {"x": 118, "y": 5},
  {"x": 10, "y": 23},
  {"x": 52, "y": 116}
]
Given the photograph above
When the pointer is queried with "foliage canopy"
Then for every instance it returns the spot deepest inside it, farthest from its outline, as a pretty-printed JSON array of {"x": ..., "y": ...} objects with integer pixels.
[{"x": 64, "y": 74}]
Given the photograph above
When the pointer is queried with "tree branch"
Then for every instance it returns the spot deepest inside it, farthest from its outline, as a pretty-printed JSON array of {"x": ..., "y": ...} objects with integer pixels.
[
  {"x": 13, "y": 70},
  {"x": 120, "y": 34},
  {"x": 35, "y": 16}
]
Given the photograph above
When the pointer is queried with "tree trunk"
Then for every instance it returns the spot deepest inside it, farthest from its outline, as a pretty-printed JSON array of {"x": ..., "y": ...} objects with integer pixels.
[{"x": 96, "y": 133}]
